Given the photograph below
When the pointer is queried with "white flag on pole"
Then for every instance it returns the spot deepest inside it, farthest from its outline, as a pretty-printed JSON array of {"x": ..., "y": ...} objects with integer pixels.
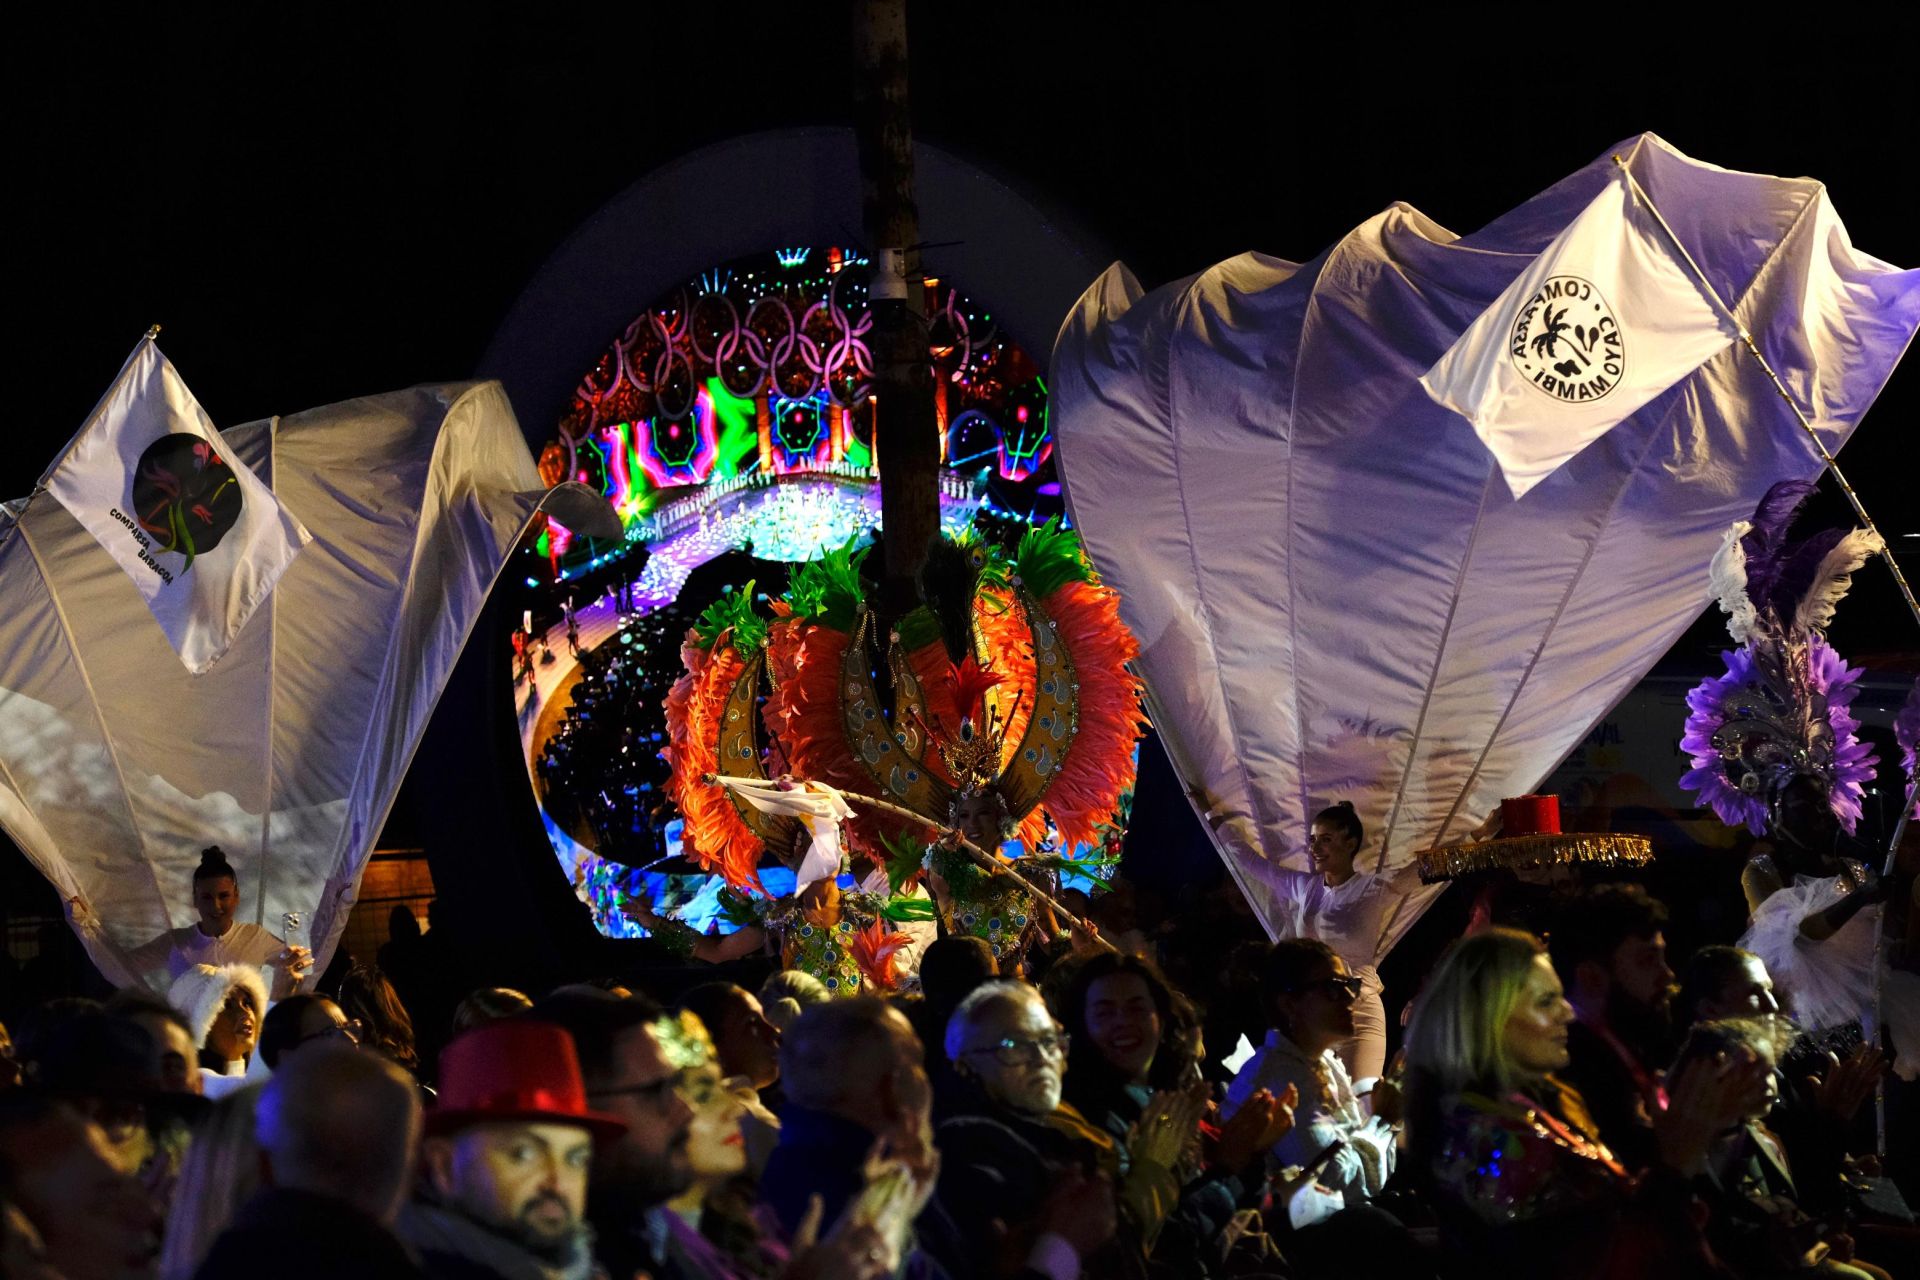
[
  {"x": 1605, "y": 319},
  {"x": 202, "y": 538}
]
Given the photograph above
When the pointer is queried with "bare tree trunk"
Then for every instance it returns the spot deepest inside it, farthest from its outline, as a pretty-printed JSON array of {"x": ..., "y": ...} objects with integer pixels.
[{"x": 902, "y": 374}]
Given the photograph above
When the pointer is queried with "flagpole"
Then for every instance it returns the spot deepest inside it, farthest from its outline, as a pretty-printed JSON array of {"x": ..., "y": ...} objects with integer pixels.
[
  {"x": 1746, "y": 339},
  {"x": 1880, "y": 970},
  {"x": 153, "y": 332},
  {"x": 1886, "y": 554},
  {"x": 40, "y": 485},
  {"x": 986, "y": 861}
]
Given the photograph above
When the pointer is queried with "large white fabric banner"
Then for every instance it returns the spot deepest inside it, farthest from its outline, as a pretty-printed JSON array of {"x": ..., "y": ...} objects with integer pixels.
[
  {"x": 1335, "y": 594},
  {"x": 151, "y": 479},
  {"x": 117, "y": 766}
]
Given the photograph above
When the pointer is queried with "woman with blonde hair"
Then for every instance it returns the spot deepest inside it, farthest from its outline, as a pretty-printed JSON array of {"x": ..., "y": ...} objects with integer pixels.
[
  {"x": 1515, "y": 1166},
  {"x": 221, "y": 1170}
]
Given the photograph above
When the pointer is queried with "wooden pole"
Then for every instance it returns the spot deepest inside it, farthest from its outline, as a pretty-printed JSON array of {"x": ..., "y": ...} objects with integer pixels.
[
  {"x": 984, "y": 860},
  {"x": 902, "y": 369}
]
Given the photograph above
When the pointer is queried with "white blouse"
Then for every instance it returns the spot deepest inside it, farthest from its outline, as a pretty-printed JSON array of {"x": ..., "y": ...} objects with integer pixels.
[
  {"x": 1349, "y": 917},
  {"x": 181, "y": 949}
]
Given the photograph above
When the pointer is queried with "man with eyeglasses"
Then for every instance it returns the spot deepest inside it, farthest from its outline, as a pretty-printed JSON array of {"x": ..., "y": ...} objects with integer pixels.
[
  {"x": 1022, "y": 1175},
  {"x": 301, "y": 1022}
]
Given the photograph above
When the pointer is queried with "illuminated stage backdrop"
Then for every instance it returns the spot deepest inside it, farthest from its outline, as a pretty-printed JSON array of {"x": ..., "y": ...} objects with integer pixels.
[{"x": 734, "y": 415}]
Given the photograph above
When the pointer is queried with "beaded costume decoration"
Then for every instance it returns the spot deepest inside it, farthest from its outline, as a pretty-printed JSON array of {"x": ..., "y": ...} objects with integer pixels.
[
  {"x": 1004, "y": 692},
  {"x": 1782, "y": 710}
]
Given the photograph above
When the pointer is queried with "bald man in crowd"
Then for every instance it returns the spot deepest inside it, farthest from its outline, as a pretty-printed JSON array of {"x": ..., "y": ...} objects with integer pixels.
[{"x": 337, "y": 1132}]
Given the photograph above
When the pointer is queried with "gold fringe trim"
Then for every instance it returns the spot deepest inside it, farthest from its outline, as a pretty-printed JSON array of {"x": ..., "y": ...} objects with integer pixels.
[{"x": 1521, "y": 853}]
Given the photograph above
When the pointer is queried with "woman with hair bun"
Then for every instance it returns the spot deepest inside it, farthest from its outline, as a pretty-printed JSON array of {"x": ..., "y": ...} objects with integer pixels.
[
  {"x": 218, "y": 939},
  {"x": 1347, "y": 909},
  {"x": 788, "y": 993}
]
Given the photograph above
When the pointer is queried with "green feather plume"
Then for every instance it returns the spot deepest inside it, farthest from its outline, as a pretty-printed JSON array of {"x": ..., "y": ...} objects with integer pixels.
[
  {"x": 1099, "y": 867},
  {"x": 905, "y": 856},
  {"x": 828, "y": 591},
  {"x": 733, "y": 611},
  {"x": 906, "y": 910},
  {"x": 1050, "y": 557},
  {"x": 919, "y": 629}
]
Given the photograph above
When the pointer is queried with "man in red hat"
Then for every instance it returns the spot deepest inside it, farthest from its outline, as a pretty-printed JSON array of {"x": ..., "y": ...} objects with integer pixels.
[{"x": 506, "y": 1155}]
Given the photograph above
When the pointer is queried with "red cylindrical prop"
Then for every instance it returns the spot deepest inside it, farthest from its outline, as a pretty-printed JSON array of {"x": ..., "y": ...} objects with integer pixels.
[{"x": 1530, "y": 816}]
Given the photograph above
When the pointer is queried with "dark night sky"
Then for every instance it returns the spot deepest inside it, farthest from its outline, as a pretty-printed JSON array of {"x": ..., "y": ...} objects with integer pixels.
[{"x": 319, "y": 207}]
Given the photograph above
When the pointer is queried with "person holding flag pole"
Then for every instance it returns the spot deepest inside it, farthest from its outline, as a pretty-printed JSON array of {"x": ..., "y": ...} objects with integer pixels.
[
  {"x": 1877, "y": 1008},
  {"x": 1613, "y": 313}
]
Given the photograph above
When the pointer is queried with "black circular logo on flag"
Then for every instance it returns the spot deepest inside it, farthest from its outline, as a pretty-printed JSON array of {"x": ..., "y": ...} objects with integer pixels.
[
  {"x": 1567, "y": 343},
  {"x": 185, "y": 495}
]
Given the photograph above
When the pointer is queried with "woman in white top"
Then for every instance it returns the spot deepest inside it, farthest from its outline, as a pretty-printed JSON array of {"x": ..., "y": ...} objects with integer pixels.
[
  {"x": 1347, "y": 909},
  {"x": 219, "y": 940}
]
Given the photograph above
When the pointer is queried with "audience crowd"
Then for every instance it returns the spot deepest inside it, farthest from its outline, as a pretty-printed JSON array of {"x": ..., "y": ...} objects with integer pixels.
[
  {"x": 601, "y": 765},
  {"x": 1579, "y": 1104}
]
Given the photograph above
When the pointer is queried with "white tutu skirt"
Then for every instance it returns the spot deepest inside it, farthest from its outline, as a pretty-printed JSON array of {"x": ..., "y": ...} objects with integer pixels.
[{"x": 1830, "y": 984}]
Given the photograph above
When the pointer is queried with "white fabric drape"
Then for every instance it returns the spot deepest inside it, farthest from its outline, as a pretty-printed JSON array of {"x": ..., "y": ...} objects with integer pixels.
[
  {"x": 117, "y": 765},
  {"x": 1335, "y": 594}
]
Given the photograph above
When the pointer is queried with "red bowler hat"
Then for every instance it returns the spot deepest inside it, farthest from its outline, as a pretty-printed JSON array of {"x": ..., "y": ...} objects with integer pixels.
[{"x": 515, "y": 1069}]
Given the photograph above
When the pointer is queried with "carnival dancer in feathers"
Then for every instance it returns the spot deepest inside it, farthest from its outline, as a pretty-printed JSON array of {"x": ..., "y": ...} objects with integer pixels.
[
  {"x": 1774, "y": 746},
  {"x": 1000, "y": 707}
]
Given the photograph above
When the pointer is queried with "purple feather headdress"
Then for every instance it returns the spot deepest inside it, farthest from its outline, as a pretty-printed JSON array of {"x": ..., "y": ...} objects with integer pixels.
[
  {"x": 1782, "y": 710},
  {"x": 1906, "y": 732}
]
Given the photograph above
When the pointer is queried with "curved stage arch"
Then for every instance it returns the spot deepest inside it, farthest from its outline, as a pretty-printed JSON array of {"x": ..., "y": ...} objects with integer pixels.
[
  {"x": 748, "y": 195},
  {"x": 695, "y": 218}
]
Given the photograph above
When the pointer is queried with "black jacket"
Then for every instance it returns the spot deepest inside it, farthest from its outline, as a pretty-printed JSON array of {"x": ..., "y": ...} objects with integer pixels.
[
  {"x": 294, "y": 1235},
  {"x": 1613, "y": 1097},
  {"x": 997, "y": 1168}
]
